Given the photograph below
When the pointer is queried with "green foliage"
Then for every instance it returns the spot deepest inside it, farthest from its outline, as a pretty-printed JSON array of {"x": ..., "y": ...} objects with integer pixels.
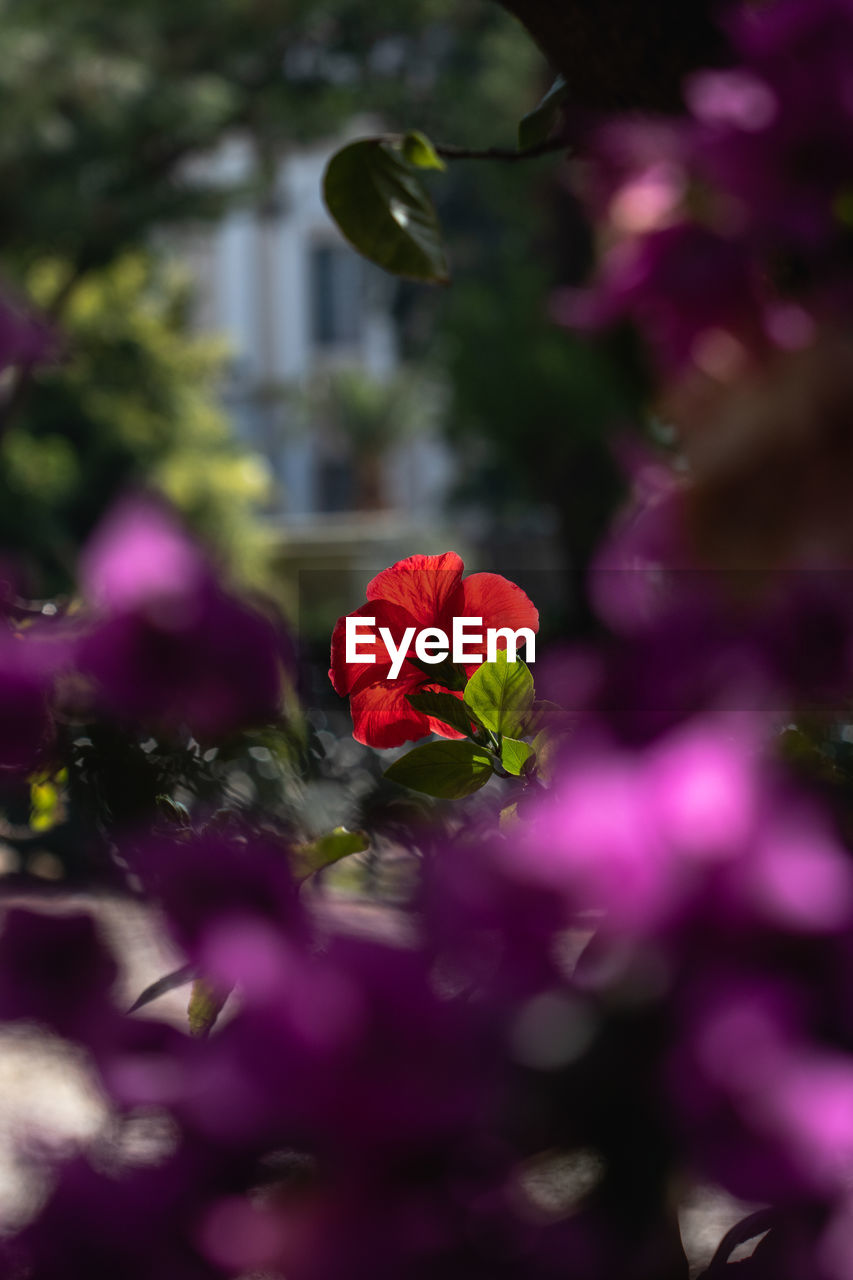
[
  {"x": 380, "y": 204},
  {"x": 46, "y": 800},
  {"x": 107, "y": 110},
  {"x": 446, "y": 770},
  {"x": 515, "y": 755},
  {"x": 371, "y": 413},
  {"x": 533, "y": 408},
  {"x": 308, "y": 859},
  {"x": 204, "y": 1007},
  {"x": 542, "y": 397},
  {"x": 500, "y": 694},
  {"x": 132, "y": 401},
  {"x": 104, "y": 103}
]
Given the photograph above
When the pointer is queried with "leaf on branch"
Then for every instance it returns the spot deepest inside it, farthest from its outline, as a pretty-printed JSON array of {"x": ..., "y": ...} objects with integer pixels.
[
  {"x": 515, "y": 755},
  {"x": 328, "y": 849},
  {"x": 419, "y": 151},
  {"x": 508, "y": 819},
  {"x": 173, "y": 810},
  {"x": 537, "y": 126},
  {"x": 446, "y": 770},
  {"x": 500, "y": 694},
  {"x": 205, "y": 1006},
  {"x": 547, "y": 747},
  {"x": 380, "y": 204},
  {"x": 443, "y": 707},
  {"x": 171, "y": 981},
  {"x": 46, "y": 801}
]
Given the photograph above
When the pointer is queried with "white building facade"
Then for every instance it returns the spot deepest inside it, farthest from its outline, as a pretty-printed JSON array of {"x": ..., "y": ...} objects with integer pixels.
[{"x": 293, "y": 300}]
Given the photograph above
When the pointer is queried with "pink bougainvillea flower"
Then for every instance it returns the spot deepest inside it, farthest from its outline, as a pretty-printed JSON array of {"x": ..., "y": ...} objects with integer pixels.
[
  {"x": 169, "y": 644},
  {"x": 29, "y": 662},
  {"x": 420, "y": 592},
  {"x": 24, "y": 338}
]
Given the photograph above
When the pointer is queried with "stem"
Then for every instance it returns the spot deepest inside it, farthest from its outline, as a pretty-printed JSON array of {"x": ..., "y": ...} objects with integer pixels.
[{"x": 505, "y": 154}]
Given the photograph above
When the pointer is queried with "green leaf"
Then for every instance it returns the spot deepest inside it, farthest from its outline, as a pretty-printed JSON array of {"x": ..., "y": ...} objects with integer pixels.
[
  {"x": 46, "y": 799},
  {"x": 173, "y": 810},
  {"x": 171, "y": 981},
  {"x": 337, "y": 844},
  {"x": 500, "y": 695},
  {"x": 537, "y": 125},
  {"x": 547, "y": 746},
  {"x": 508, "y": 819},
  {"x": 420, "y": 152},
  {"x": 44, "y": 806},
  {"x": 384, "y": 211},
  {"x": 443, "y": 707},
  {"x": 204, "y": 1008},
  {"x": 515, "y": 755},
  {"x": 447, "y": 770}
]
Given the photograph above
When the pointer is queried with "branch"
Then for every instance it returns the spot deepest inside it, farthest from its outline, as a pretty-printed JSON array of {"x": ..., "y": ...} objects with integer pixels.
[
  {"x": 747, "y": 1229},
  {"x": 505, "y": 154}
]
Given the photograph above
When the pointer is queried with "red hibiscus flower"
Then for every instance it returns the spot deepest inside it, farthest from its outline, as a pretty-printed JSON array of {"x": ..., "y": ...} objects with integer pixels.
[{"x": 420, "y": 592}]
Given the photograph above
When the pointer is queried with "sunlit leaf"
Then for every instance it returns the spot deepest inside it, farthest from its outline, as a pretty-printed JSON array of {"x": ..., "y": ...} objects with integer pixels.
[
  {"x": 328, "y": 849},
  {"x": 500, "y": 694},
  {"x": 46, "y": 800},
  {"x": 420, "y": 152},
  {"x": 515, "y": 755},
  {"x": 205, "y": 1006}
]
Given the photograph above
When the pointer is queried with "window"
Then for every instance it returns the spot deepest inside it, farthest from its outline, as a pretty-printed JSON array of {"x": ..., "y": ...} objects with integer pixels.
[
  {"x": 335, "y": 485},
  {"x": 337, "y": 296}
]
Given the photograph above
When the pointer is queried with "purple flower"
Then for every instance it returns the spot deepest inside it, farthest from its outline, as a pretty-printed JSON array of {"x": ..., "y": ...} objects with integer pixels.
[
  {"x": 693, "y": 293},
  {"x": 55, "y": 970},
  {"x": 30, "y": 660},
  {"x": 138, "y": 1221},
  {"x": 207, "y": 882},
  {"x": 24, "y": 340},
  {"x": 169, "y": 646},
  {"x": 765, "y": 1103},
  {"x": 727, "y": 233},
  {"x": 776, "y": 135},
  {"x": 689, "y": 828},
  {"x": 691, "y": 636}
]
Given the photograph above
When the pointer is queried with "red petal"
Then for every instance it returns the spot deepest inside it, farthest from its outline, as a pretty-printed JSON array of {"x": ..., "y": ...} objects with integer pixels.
[
  {"x": 347, "y": 676},
  {"x": 499, "y": 602},
  {"x": 383, "y": 717},
  {"x": 343, "y": 674},
  {"x": 422, "y": 585}
]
